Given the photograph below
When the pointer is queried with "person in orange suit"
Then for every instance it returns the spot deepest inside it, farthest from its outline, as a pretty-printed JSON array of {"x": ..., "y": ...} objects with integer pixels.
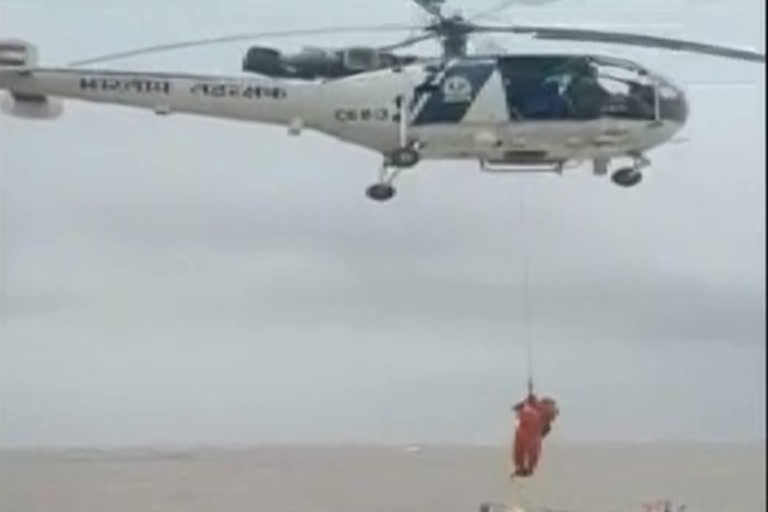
[{"x": 534, "y": 422}]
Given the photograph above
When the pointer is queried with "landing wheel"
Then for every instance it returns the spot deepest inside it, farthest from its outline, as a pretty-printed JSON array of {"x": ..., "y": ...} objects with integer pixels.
[
  {"x": 627, "y": 177},
  {"x": 380, "y": 192},
  {"x": 394, "y": 163},
  {"x": 404, "y": 158}
]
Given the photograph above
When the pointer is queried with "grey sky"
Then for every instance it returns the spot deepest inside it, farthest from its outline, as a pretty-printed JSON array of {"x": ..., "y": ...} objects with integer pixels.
[{"x": 195, "y": 280}]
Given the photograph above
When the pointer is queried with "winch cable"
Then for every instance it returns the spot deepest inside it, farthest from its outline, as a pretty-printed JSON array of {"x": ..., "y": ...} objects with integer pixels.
[{"x": 525, "y": 298}]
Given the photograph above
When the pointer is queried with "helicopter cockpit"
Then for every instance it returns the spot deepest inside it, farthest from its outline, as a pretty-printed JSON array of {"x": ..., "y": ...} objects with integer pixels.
[{"x": 543, "y": 87}]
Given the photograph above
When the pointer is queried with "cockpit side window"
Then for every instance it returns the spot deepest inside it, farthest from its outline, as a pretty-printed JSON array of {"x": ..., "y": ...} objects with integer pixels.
[
  {"x": 533, "y": 87},
  {"x": 632, "y": 94},
  {"x": 552, "y": 88},
  {"x": 585, "y": 92},
  {"x": 575, "y": 87}
]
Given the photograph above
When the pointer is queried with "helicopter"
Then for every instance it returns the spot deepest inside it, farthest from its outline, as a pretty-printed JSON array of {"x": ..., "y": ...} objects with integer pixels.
[{"x": 510, "y": 112}]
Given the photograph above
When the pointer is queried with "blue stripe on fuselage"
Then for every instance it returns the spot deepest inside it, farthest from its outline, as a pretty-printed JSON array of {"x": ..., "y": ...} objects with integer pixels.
[{"x": 440, "y": 107}]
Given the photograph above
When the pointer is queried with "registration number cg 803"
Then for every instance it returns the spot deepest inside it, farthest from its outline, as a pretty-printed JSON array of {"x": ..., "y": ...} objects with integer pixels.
[{"x": 352, "y": 115}]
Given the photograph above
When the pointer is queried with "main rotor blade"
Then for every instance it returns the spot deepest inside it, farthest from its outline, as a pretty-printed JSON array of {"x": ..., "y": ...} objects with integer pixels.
[
  {"x": 498, "y": 7},
  {"x": 159, "y": 48},
  {"x": 433, "y": 7},
  {"x": 598, "y": 36},
  {"x": 408, "y": 42},
  {"x": 506, "y": 4}
]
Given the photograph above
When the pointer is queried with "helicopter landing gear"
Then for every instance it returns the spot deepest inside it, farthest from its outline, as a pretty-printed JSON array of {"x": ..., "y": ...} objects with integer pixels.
[
  {"x": 404, "y": 157},
  {"x": 407, "y": 155},
  {"x": 393, "y": 165},
  {"x": 627, "y": 177},
  {"x": 631, "y": 176},
  {"x": 381, "y": 192},
  {"x": 600, "y": 166},
  {"x": 384, "y": 190}
]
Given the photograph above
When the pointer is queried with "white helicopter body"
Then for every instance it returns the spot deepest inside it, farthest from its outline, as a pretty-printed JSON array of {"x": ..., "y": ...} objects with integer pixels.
[
  {"x": 510, "y": 112},
  {"x": 462, "y": 109}
]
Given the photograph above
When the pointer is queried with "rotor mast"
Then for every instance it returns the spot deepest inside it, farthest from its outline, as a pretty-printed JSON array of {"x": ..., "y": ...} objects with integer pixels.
[
  {"x": 454, "y": 34},
  {"x": 453, "y": 31}
]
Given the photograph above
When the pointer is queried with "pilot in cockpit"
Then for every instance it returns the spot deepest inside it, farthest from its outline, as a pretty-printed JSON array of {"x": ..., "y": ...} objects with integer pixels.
[{"x": 585, "y": 94}]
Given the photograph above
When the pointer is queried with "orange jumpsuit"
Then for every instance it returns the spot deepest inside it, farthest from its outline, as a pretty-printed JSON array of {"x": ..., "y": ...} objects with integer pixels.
[
  {"x": 534, "y": 422},
  {"x": 528, "y": 436}
]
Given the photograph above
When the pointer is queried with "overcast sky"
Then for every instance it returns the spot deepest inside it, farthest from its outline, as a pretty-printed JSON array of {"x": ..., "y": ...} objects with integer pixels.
[{"x": 188, "y": 280}]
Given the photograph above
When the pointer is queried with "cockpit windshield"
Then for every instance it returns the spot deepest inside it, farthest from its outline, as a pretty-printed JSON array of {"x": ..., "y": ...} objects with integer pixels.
[{"x": 582, "y": 87}]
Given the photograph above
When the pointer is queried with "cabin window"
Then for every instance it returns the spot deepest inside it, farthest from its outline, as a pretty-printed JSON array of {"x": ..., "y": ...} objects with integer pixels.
[{"x": 574, "y": 88}]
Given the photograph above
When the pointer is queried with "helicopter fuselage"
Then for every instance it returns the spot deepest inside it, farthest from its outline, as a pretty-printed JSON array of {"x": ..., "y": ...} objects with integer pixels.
[
  {"x": 517, "y": 109},
  {"x": 523, "y": 109}
]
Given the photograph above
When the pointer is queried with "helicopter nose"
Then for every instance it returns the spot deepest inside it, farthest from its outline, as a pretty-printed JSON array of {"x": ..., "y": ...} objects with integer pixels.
[{"x": 673, "y": 105}]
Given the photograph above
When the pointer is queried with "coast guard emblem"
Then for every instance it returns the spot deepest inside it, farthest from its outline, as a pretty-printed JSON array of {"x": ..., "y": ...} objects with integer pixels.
[{"x": 457, "y": 89}]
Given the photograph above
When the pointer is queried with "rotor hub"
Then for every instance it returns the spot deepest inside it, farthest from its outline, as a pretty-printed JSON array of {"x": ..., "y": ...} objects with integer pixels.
[
  {"x": 451, "y": 26},
  {"x": 453, "y": 32}
]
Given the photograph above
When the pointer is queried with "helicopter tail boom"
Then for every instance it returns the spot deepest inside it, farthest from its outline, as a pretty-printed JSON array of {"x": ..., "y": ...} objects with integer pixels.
[
  {"x": 17, "y": 53},
  {"x": 34, "y": 92},
  {"x": 17, "y": 58}
]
